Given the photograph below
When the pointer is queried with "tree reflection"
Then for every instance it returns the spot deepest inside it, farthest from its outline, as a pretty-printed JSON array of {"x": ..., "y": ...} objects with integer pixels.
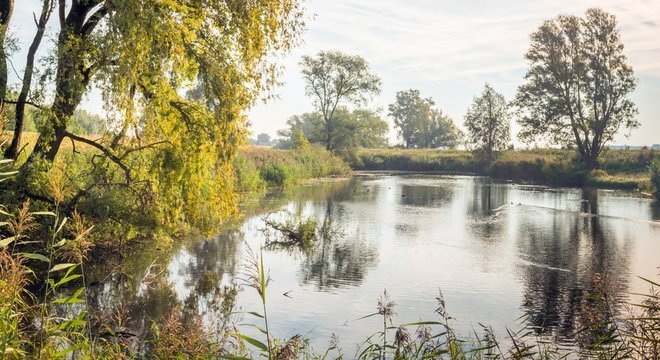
[
  {"x": 487, "y": 197},
  {"x": 337, "y": 260},
  {"x": 149, "y": 291},
  {"x": 566, "y": 257},
  {"x": 426, "y": 195}
]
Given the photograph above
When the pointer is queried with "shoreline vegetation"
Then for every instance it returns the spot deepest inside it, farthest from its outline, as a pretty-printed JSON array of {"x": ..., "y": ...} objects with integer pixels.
[{"x": 620, "y": 169}]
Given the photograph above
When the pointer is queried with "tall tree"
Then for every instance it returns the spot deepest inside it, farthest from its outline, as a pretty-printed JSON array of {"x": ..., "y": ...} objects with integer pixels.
[
  {"x": 333, "y": 78},
  {"x": 142, "y": 53},
  {"x": 488, "y": 122},
  {"x": 576, "y": 89},
  {"x": 144, "y": 56},
  {"x": 19, "y": 115},
  {"x": 419, "y": 124}
]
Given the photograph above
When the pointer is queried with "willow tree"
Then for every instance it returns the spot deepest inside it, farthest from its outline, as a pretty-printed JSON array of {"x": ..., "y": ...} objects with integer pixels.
[
  {"x": 576, "y": 89},
  {"x": 143, "y": 56}
]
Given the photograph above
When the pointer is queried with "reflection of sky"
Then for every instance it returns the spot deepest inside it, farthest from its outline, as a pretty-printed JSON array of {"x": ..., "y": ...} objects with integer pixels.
[
  {"x": 470, "y": 251},
  {"x": 495, "y": 250}
]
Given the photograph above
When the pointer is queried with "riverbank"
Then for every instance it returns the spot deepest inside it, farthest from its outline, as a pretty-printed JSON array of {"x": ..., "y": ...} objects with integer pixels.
[{"x": 619, "y": 169}]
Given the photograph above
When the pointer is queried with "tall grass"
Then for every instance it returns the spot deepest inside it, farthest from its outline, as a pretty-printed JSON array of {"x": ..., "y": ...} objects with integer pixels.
[
  {"x": 257, "y": 168},
  {"x": 619, "y": 169}
]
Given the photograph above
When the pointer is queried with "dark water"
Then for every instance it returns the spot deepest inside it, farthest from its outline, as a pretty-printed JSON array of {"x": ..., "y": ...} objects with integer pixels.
[{"x": 496, "y": 251}]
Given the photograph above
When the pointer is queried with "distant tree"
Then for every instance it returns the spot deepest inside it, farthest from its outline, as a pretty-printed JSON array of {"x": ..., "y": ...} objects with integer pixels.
[
  {"x": 309, "y": 125},
  {"x": 488, "y": 123},
  {"x": 440, "y": 132},
  {"x": 578, "y": 83},
  {"x": 350, "y": 129},
  {"x": 371, "y": 129},
  {"x": 333, "y": 78},
  {"x": 263, "y": 139},
  {"x": 86, "y": 123},
  {"x": 419, "y": 124}
]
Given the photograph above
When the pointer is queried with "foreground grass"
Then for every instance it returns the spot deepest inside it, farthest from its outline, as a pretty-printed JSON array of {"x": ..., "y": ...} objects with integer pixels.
[{"x": 619, "y": 169}]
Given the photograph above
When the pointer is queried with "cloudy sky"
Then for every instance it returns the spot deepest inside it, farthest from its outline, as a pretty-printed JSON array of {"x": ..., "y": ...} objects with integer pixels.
[
  {"x": 449, "y": 48},
  {"x": 446, "y": 48}
]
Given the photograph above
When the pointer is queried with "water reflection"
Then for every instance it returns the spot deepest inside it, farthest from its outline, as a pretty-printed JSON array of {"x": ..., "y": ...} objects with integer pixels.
[
  {"x": 564, "y": 258},
  {"x": 337, "y": 259},
  {"x": 487, "y": 197},
  {"x": 498, "y": 251}
]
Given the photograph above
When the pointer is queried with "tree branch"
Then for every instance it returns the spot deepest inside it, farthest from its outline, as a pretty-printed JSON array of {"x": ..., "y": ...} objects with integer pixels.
[
  {"x": 94, "y": 20},
  {"x": 104, "y": 150},
  {"x": 26, "y": 102}
]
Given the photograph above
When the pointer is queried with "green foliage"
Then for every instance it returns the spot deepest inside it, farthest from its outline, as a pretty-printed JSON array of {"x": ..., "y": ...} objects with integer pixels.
[
  {"x": 262, "y": 139},
  {"x": 565, "y": 99},
  {"x": 332, "y": 79},
  {"x": 549, "y": 166},
  {"x": 419, "y": 124},
  {"x": 258, "y": 168},
  {"x": 488, "y": 123},
  {"x": 350, "y": 129},
  {"x": 168, "y": 155},
  {"x": 86, "y": 123}
]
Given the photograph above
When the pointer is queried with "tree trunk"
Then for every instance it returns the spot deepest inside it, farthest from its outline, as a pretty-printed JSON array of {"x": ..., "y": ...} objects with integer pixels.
[
  {"x": 6, "y": 11},
  {"x": 12, "y": 150}
]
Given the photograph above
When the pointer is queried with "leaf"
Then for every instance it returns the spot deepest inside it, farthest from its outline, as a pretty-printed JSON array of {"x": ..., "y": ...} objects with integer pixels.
[
  {"x": 253, "y": 341},
  {"x": 61, "y": 226},
  {"x": 34, "y": 256},
  {"x": 66, "y": 279},
  {"x": 44, "y": 213},
  {"x": 7, "y": 241},
  {"x": 366, "y": 316},
  {"x": 69, "y": 300},
  {"x": 62, "y": 266},
  {"x": 255, "y": 314}
]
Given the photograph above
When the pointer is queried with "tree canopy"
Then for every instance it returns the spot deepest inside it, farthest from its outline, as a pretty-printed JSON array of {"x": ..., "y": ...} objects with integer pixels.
[
  {"x": 144, "y": 56},
  {"x": 332, "y": 79},
  {"x": 487, "y": 122},
  {"x": 576, "y": 88},
  {"x": 419, "y": 124},
  {"x": 363, "y": 128}
]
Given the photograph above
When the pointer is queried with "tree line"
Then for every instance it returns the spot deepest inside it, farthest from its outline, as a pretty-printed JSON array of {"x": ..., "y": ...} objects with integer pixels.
[{"x": 575, "y": 94}]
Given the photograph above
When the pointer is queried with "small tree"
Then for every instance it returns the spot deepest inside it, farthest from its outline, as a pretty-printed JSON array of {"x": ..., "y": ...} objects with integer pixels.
[
  {"x": 577, "y": 86},
  {"x": 488, "y": 123},
  {"x": 333, "y": 78}
]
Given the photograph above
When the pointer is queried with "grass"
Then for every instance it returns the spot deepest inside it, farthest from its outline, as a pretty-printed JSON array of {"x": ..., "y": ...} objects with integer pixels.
[
  {"x": 258, "y": 168},
  {"x": 618, "y": 170}
]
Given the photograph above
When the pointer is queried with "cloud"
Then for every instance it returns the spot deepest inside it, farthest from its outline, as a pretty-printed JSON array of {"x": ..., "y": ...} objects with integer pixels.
[{"x": 449, "y": 48}]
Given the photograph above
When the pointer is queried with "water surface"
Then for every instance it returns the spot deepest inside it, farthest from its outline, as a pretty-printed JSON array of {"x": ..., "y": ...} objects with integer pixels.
[{"x": 497, "y": 251}]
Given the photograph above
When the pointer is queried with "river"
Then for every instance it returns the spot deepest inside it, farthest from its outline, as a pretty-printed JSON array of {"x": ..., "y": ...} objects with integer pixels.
[{"x": 496, "y": 251}]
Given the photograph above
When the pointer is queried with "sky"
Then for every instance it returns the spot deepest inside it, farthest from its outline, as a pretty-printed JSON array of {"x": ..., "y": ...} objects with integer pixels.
[{"x": 447, "y": 49}]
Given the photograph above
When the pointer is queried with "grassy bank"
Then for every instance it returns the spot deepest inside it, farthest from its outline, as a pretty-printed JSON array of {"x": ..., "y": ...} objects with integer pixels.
[
  {"x": 257, "y": 168},
  {"x": 619, "y": 169}
]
